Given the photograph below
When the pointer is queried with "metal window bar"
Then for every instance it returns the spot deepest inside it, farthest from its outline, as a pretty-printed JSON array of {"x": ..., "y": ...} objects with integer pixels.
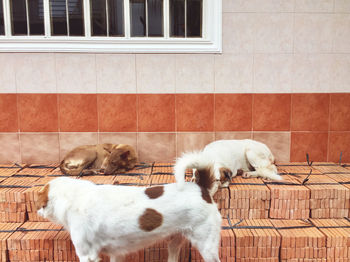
[
  {"x": 185, "y": 18},
  {"x": 7, "y": 27},
  {"x": 107, "y": 18},
  {"x": 27, "y": 17},
  {"x": 146, "y": 16},
  {"x": 87, "y": 18},
  {"x": 127, "y": 24},
  {"x": 166, "y": 19},
  {"x": 47, "y": 19},
  {"x": 67, "y": 17},
  {"x": 86, "y": 13}
]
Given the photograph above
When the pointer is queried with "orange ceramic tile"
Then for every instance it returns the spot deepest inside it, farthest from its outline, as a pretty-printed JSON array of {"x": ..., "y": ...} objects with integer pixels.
[
  {"x": 156, "y": 147},
  {"x": 39, "y": 148},
  {"x": 313, "y": 143},
  {"x": 310, "y": 112},
  {"x": 195, "y": 112},
  {"x": 8, "y": 113},
  {"x": 233, "y": 112},
  {"x": 129, "y": 138},
  {"x": 117, "y": 112},
  {"x": 156, "y": 112},
  {"x": 78, "y": 112},
  {"x": 70, "y": 140},
  {"x": 339, "y": 142},
  {"x": 278, "y": 142},
  {"x": 192, "y": 141},
  {"x": 9, "y": 152},
  {"x": 340, "y": 112},
  {"x": 271, "y": 112},
  {"x": 38, "y": 112},
  {"x": 233, "y": 135}
]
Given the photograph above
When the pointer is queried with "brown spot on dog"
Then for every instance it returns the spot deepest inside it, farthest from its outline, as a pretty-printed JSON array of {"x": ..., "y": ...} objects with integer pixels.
[
  {"x": 251, "y": 168},
  {"x": 154, "y": 192},
  {"x": 225, "y": 175},
  {"x": 150, "y": 220},
  {"x": 205, "y": 178},
  {"x": 43, "y": 197},
  {"x": 206, "y": 196},
  {"x": 240, "y": 172}
]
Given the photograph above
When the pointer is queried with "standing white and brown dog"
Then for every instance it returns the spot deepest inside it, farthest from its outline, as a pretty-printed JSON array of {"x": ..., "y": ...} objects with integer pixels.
[
  {"x": 252, "y": 158},
  {"x": 117, "y": 220}
]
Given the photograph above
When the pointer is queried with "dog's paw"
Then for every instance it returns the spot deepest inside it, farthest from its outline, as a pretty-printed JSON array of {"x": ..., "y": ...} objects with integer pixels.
[{"x": 245, "y": 175}]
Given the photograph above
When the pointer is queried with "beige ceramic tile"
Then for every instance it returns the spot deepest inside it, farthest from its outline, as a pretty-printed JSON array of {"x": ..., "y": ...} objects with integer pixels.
[
  {"x": 39, "y": 148},
  {"x": 273, "y": 73},
  {"x": 342, "y": 6},
  {"x": 341, "y": 78},
  {"x": 8, "y": 73},
  {"x": 278, "y": 142},
  {"x": 317, "y": 6},
  {"x": 192, "y": 141},
  {"x": 195, "y": 73},
  {"x": 35, "y": 73},
  {"x": 118, "y": 138},
  {"x": 342, "y": 33},
  {"x": 233, "y": 73},
  {"x": 274, "y": 33},
  {"x": 115, "y": 73},
  {"x": 70, "y": 140},
  {"x": 313, "y": 73},
  {"x": 238, "y": 32},
  {"x": 233, "y": 135},
  {"x": 314, "y": 33},
  {"x": 9, "y": 152},
  {"x": 156, "y": 147},
  {"x": 258, "y": 5},
  {"x": 155, "y": 73},
  {"x": 76, "y": 73}
]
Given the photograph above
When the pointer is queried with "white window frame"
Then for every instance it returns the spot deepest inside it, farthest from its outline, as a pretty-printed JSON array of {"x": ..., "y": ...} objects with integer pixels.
[{"x": 210, "y": 42}]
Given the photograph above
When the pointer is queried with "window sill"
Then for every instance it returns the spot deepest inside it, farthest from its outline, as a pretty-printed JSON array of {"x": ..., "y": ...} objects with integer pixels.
[{"x": 103, "y": 45}]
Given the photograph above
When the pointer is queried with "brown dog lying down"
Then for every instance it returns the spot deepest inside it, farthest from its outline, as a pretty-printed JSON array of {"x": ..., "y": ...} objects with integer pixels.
[{"x": 107, "y": 158}]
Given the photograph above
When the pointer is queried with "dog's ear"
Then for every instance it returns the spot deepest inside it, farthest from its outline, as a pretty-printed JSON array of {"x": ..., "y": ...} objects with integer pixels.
[
  {"x": 125, "y": 154},
  {"x": 108, "y": 147},
  {"x": 225, "y": 175},
  {"x": 196, "y": 176},
  {"x": 43, "y": 197}
]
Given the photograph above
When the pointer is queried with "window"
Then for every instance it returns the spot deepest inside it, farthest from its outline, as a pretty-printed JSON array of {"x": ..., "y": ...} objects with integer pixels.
[{"x": 143, "y": 26}]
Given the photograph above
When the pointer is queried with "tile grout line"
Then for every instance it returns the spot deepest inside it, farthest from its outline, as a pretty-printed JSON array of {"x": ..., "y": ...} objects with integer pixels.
[
  {"x": 137, "y": 106},
  {"x": 97, "y": 107},
  {"x": 214, "y": 109},
  {"x": 329, "y": 126},
  {"x": 176, "y": 119},
  {"x": 58, "y": 110},
  {"x": 253, "y": 94},
  {"x": 290, "y": 127},
  {"x": 18, "y": 118}
]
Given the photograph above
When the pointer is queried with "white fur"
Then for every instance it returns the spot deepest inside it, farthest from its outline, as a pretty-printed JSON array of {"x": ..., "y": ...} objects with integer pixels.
[
  {"x": 105, "y": 217},
  {"x": 231, "y": 154}
]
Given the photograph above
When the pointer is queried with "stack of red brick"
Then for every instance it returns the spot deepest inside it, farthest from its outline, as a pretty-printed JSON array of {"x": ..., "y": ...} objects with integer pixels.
[{"x": 320, "y": 196}]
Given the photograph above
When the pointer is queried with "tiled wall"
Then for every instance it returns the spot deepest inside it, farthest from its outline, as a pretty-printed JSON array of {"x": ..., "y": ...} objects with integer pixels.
[{"x": 283, "y": 78}]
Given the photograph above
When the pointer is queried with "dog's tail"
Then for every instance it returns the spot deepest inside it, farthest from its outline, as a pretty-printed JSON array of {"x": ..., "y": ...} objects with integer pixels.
[
  {"x": 67, "y": 171},
  {"x": 189, "y": 160},
  {"x": 63, "y": 167}
]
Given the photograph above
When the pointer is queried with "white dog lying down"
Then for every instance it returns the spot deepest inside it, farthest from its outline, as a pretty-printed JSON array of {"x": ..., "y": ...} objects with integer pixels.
[
  {"x": 117, "y": 220},
  {"x": 253, "y": 158}
]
